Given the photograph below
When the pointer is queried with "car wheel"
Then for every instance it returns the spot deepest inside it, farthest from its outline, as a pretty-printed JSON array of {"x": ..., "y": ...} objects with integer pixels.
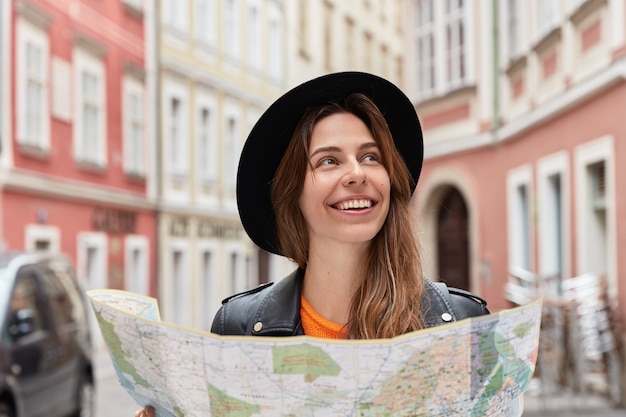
[
  {"x": 6, "y": 410},
  {"x": 86, "y": 396}
]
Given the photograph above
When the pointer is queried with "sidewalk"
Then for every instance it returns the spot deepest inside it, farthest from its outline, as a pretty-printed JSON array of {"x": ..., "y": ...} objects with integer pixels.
[{"x": 566, "y": 405}]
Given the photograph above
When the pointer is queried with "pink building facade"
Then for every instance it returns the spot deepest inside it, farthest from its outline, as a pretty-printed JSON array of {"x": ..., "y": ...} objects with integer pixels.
[
  {"x": 75, "y": 155},
  {"x": 522, "y": 104}
]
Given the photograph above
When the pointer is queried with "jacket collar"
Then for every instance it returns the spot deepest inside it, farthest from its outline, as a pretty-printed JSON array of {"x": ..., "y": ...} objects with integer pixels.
[{"x": 283, "y": 297}]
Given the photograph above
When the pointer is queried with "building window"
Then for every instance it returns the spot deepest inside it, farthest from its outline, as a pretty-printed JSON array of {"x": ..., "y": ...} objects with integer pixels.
[
  {"x": 443, "y": 46},
  {"x": 90, "y": 126},
  {"x": 231, "y": 28},
  {"x": 596, "y": 218},
  {"x": 33, "y": 56},
  {"x": 513, "y": 26},
  {"x": 275, "y": 46},
  {"x": 425, "y": 42},
  {"x": 547, "y": 16},
  {"x": 134, "y": 146},
  {"x": 209, "y": 288},
  {"x": 175, "y": 14},
  {"x": 303, "y": 25},
  {"x": 328, "y": 37},
  {"x": 519, "y": 218},
  {"x": 180, "y": 291},
  {"x": 230, "y": 152},
  {"x": 136, "y": 265},
  {"x": 349, "y": 40},
  {"x": 207, "y": 149},
  {"x": 455, "y": 42},
  {"x": 254, "y": 35},
  {"x": 205, "y": 23},
  {"x": 42, "y": 238},
  {"x": 176, "y": 137},
  {"x": 553, "y": 216}
]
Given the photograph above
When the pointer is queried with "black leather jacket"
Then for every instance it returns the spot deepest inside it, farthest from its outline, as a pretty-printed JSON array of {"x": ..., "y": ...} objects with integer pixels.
[{"x": 274, "y": 309}]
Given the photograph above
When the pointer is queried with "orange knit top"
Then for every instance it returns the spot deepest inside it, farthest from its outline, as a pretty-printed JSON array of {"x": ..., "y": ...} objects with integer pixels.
[{"x": 317, "y": 326}]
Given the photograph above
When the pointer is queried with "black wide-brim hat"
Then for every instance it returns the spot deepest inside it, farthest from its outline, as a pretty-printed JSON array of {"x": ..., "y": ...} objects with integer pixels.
[{"x": 271, "y": 134}]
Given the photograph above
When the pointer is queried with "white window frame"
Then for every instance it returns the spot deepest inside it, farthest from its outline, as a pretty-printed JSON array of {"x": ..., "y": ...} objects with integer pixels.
[
  {"x": 177, "y": 150},
  {"x": 207, "y": 147},
  {"x": 275, "y": 42},
  {"x": 513, "y": 20},
  {"x": 98, "y": 266},
  {"x": 210, "y": 282},
  {"x": 96, "y": 241},
  {"x": 175, "y": 14},
  {"x": 179, "y": 291},
  {"x": 547, "y": 12},
  {"x": 134, "y": 139},
  {"x": 231, "y": 148},
  {"x": 432, "y": 77},
  {"x": 85, "y": 62},
  {"x": 205, "y": 22},
  {"x": 137, "y": 271},
  {"x": 39, "y": 232},
  {"x": 255, "y": 35},
  {"x": 456, "y": 64},
  {"x": 601, "y": 149},
  {"x": 231, "y": 29},
  {"x": 521, "y": 253},
  {"x": 237, "y": 278},
  {"x": 425, "y": 49},
  {"x": 30, "y": 34},
  {"x": 547, "y": 168}
]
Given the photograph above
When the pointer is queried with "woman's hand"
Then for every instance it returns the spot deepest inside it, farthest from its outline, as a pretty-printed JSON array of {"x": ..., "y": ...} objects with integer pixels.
[{"x": 145, "y": 412}]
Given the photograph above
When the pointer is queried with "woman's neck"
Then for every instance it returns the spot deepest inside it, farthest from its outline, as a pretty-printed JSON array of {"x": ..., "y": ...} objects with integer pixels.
[{"x": 331, "y": 278}]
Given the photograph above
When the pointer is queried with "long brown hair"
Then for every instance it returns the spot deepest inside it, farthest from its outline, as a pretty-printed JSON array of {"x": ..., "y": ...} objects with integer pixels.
[{"x": 388, "y": 301}]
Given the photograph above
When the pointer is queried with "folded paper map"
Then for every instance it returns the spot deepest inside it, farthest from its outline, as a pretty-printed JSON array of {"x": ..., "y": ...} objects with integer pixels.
[{"x": 474, "y": 367}]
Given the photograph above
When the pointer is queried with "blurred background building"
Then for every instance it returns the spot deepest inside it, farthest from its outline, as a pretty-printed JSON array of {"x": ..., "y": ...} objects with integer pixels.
[
  {"x": 218, "y": 65},
  {"x": 521, "y": 104},
  {"x": 121, "y": 124}
]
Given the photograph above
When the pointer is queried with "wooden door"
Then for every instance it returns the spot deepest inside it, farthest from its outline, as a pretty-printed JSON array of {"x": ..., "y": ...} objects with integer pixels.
[{"x": 453, "y": 240}]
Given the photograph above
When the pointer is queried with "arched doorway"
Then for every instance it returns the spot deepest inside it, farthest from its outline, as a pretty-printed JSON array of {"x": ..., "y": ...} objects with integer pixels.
[{"x": 453, "y": 241}]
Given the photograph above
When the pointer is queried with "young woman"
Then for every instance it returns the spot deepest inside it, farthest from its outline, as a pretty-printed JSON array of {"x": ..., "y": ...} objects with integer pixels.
[{"x": 325, "y": 179}]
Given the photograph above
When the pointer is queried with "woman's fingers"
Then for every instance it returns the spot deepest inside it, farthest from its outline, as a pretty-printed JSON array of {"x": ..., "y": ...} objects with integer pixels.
[{"x": 145, "y": 412}]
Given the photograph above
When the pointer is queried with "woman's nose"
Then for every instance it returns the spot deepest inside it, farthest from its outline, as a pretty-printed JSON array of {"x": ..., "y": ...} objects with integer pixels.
[{"x": 354, "y": 174}]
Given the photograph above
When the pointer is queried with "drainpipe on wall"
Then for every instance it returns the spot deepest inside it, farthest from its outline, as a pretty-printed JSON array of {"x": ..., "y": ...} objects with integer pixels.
[
  {"x": 495, "y": 123},
  {"x": 155, "y": 76}
]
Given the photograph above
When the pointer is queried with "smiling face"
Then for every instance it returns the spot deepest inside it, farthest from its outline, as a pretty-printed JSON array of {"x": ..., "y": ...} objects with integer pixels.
[{"x": 346, "y": 191}]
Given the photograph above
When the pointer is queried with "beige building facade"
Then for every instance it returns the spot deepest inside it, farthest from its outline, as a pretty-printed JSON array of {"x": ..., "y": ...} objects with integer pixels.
[
  {"x": 220, "y": 64},
  {"x": 344, "y": 35}
]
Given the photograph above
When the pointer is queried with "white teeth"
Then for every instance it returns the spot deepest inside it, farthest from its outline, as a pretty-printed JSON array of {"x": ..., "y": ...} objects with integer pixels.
[{"x": 355, "y": 204}]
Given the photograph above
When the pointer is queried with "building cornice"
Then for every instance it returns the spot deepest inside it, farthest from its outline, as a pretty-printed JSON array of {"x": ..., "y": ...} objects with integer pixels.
[
  {"x": 172, "y": 65},
  {"x": 73, "y": 190},
  {"x": 189, "y": 209},
  {"x": 569, "y": 99}
]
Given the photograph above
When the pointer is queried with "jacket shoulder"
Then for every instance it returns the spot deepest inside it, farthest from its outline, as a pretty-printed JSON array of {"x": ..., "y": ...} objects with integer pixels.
[
  {"x": 233, "y": 316},
  {"x": 446, "y": 304}
]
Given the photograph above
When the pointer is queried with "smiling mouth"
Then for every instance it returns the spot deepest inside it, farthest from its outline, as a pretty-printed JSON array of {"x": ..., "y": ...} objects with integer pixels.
[{"x": 354, "y": 205}]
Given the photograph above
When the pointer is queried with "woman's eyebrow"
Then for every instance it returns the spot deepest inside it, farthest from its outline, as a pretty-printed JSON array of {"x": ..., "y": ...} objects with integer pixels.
[{"x": 324, "y": 149}]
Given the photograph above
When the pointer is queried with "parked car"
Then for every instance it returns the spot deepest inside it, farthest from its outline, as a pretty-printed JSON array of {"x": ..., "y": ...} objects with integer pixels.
[{"x": 45, "y": 346}]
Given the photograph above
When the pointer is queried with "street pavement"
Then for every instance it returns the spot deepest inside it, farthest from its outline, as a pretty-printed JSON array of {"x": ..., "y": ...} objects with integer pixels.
[
  {"x": 564, "y": 405},
  {"x": 113, "y": 400}
]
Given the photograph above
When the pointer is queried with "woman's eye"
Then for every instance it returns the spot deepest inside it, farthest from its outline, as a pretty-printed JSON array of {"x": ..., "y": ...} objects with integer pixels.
[
  {"x": 326, "y": 161},
  {"x": 370, "y": 158}
]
